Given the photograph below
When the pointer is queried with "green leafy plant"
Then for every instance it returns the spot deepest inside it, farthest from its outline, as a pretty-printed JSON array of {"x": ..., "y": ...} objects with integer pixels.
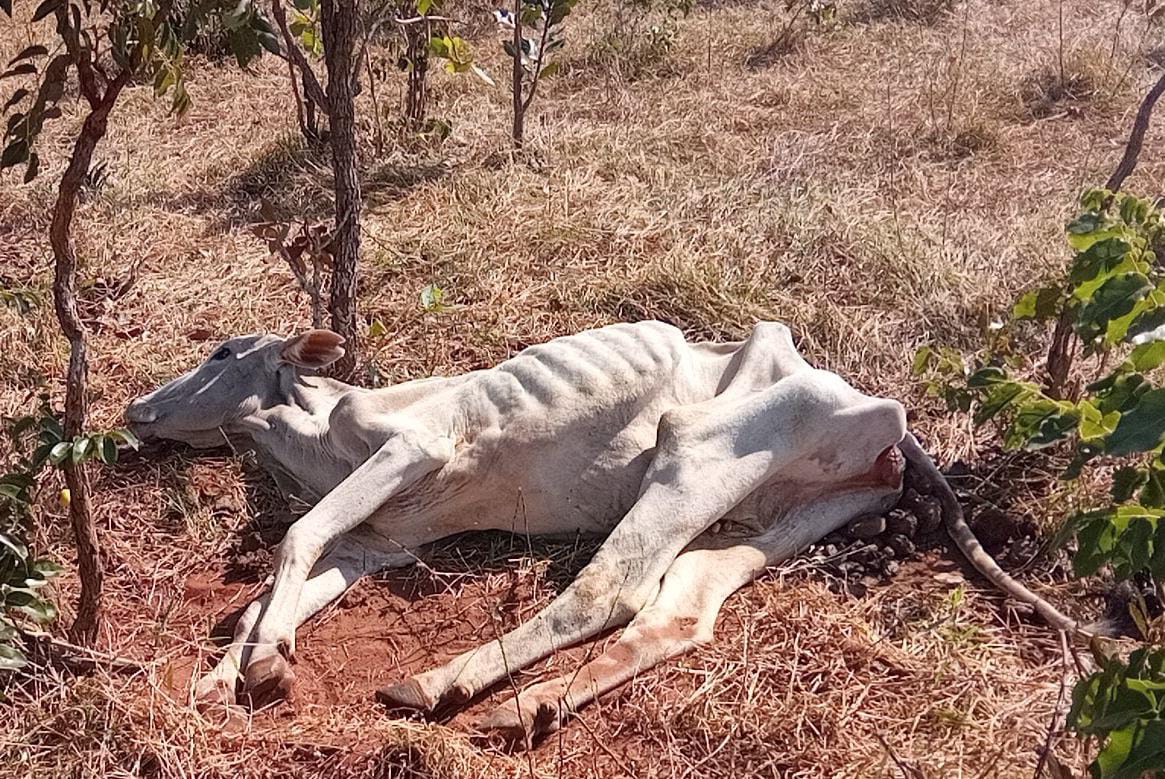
[
  {"x": 1113, "y": 301},
  {"x": 1124, "y": 703},
  {"x": 21, "y": 578},
  {"x": 303, "y": 38},
  {"x": 142, "y": 41},
  {"x": 641, "y": 33},
  {"x": 535, "y": 30},
  {"x": 426, "y": 33},
  {"x": 305, "y": 26},
  {"x": 36, "y": 441},
  {"x": 21, "y": 574},
  {"x": 105, "y": 47}
]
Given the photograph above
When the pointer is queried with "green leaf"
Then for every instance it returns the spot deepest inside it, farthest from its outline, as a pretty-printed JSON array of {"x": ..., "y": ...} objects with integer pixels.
[
  {"x": 1039, "y": 423},
  {"x": 81, "y": 449},
  {"x": 14, "y": 153},
  {"x": 1114, "y": 299},
  {"x": 1087, "y": 222},
  {"x": 439, "y": 46},
  {"x": 1094, "y": 424},
  {"x": 40, "y": 610},
  {"x": 1147, "y": 321},
  {"x": 46, "y": 568},
  {"x": 1142, "y": 428},
  {"x": 1153, "y": 495},
  {"x": 12, "y": 545},
  {"x": 16, "y": 97},
  {"x": 15, "y": 599},
  {"x": 1000, "y": 397},
  {"x": 35, "y": 50},
  {"x": 60, "y": 451},
  {"x": 1126, "y": 481},
  {"x": 550, "y": 69},
  {"x": 987, "y": 376},
  {"x": 1146, "y": 357},
  {"x": 107, "y": 450},
  {"x": 127, "y": 437},
  {"x": 11, "y": 658},
  {"x": 46, "y": 8},
  {"x": 1120, "y": 391},
  {"x": 1099, "y": 260},
  {"x": 23, "y": 69},
  {"x": 922, "y": 360},
  {"x": 1040, "y": 304},
  {"x": 33, "y": 167}
]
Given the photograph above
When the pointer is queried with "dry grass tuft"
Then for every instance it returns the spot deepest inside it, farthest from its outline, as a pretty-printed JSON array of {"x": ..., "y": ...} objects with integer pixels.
[
  {"x": 926, "y": 12},
  {"x": 1048, "y": 92}
]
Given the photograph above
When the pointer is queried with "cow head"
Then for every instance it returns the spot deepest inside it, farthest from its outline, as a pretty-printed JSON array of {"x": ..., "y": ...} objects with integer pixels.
[{"x": 240, "y": 377}]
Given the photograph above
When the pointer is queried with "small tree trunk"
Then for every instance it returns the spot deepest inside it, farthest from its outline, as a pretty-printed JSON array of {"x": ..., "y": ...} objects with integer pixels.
[
  {"x": 339, "y": 22},
  {"x": 311, "y": 114},
  {"x": 1062, "y": 352},
  {"x": 418, "y": 54},
  {"x": 84, "y": 627},
  {"x": 518, "y": 130},
  {"x": 307, "y": 103}
]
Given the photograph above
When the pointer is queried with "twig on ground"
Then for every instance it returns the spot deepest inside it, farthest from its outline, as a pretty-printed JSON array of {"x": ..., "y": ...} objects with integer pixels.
[
  {"x": 83, "y": 656},
  {"x": 1058, "y": 712}
]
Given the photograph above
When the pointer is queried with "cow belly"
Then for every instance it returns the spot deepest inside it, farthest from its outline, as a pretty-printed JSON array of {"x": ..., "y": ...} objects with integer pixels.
[{"x": 543, "y": 489}]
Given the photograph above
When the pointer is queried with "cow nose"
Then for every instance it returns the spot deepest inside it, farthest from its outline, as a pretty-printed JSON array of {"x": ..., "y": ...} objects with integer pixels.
[{"x": 140, "y": 413}]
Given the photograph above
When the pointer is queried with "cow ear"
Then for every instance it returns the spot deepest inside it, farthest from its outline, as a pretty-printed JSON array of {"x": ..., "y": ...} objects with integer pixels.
[{"x": 313, "y": 349}]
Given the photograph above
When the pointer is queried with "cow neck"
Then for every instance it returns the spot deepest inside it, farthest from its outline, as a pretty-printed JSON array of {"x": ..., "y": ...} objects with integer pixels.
[{"x": 291, "y": 427}]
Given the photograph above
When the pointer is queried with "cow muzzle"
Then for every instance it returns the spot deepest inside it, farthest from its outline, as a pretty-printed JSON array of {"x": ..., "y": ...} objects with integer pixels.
[{"x": 141, "y": 413}]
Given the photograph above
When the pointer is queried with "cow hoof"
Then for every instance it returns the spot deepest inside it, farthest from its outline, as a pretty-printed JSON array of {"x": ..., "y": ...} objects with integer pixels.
[
  {"x": 213, "y": 692},
  {"x": 268, "y": 680},
  {"x": 522, "y": 721},
  {"x": 457, "y": 695},
  {"x": 407, "y": 695}
]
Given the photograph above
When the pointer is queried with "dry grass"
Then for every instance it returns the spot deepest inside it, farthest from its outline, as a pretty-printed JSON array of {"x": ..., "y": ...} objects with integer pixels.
[{"x": 879, "y": 186}]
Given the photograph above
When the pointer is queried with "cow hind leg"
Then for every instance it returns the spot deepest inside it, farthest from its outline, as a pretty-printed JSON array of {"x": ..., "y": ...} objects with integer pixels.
[
  {"x": 679, "y": 620},
  {"x": 332, "y": 576},
  {"x": 692, "y": 482},
  {"x": 683, "y": 614}
]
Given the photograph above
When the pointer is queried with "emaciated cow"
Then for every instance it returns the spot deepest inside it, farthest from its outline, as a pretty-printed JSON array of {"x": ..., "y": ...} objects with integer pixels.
[{"x": 628, "y": 431}]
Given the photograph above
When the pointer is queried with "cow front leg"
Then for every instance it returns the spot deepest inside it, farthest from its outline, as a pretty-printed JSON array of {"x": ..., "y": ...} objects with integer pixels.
[
  {"x": 404, "y": 459},
  {"x": 332, "y": 576}
]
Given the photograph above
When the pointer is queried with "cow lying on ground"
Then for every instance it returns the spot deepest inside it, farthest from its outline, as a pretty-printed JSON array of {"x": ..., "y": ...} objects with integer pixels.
[{"x": 628, "y": 431}]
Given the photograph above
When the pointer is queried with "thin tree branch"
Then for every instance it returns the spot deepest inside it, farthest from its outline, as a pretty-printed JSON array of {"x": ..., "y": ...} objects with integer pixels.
[
  {"x": 312, "y": 88},
  {"x": 1136, "y": 138},
  {"x": 541, "y": 57},
  {"x": 86, "y": 76}
]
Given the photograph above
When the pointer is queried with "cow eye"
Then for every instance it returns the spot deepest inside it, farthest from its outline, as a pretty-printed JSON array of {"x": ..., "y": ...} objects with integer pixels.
[{"x": 221, "y": 354}]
